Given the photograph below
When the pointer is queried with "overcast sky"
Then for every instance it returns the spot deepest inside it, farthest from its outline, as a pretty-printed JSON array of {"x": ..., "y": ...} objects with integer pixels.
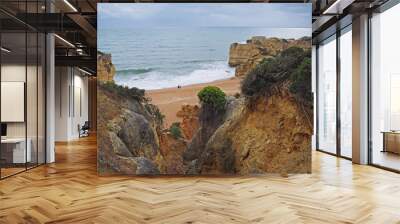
[{"x": 272, "y": 15}]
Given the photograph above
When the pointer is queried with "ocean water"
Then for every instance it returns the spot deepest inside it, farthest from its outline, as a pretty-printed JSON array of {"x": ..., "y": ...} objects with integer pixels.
[{"x": 162, "y": 57}]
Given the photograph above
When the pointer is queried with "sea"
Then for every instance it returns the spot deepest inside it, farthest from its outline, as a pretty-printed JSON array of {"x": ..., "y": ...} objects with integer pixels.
[{"x": 163, "y": 57}]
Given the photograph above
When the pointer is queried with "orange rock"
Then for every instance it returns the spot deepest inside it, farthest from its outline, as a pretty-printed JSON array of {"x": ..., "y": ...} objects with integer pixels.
[
  {"x": 190, "y": 120},
  {"x": 171, "y": 150}
]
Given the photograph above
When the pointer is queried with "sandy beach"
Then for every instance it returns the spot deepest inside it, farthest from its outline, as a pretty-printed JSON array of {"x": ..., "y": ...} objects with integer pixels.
[{"x": 169, "y": 100}]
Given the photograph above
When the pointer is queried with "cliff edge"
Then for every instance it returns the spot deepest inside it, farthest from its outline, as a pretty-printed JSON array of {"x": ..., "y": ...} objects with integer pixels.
[{"x": 245, "y": 56}]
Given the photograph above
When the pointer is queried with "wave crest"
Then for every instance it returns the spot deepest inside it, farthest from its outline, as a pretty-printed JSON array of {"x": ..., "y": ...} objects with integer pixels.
[
  {"x": 158, "y": 80},
  {"x": 135, "y": 71}
]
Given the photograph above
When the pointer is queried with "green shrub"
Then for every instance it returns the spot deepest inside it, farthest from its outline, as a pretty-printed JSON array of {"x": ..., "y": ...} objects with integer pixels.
[
  {"x": 135, "y": 93},
  {"x": 301, "y": 81},
  {"x": 175, "y": 130},
  {"x": 272, "y": 70},
  {"x": 212, "y": 96}
]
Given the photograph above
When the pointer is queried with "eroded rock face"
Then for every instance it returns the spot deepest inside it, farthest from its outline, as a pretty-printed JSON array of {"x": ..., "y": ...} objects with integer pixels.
[
  {"x": 127, "y": 137},
  {"x": 190, "y": 120},
  {"x": 210, "y": 119},
  {"x": 172, "y": 152},
  {"x": 274, "y": 136},
  {"x": 195, "y": 155},
  {"x": 245, "y": 57},
  {"x": 105, "y": 67}
]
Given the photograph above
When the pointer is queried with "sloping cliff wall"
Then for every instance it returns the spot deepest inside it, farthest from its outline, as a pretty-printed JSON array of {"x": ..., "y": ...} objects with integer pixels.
[{"x": 272, "y": 137}]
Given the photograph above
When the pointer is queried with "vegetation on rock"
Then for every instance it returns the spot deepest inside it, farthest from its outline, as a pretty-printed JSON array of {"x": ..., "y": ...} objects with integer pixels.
[
  {"x": 301, "y": 82},
  {"x": 135, "y": 93},
  {"x": 271, "y": 71},
  {"x": 175, "y": 130},
  {"x": 212, "y": 96},
  {"x": 246, "y": 56}
]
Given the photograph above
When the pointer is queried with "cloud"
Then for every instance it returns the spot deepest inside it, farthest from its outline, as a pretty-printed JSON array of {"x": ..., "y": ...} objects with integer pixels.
[
  {"x": 196, "y": 14},
  {"x": 123, "y": 10}
]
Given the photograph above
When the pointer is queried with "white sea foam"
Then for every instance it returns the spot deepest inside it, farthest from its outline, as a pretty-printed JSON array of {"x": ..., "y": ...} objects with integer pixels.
[{"x": 159, "y": 80}]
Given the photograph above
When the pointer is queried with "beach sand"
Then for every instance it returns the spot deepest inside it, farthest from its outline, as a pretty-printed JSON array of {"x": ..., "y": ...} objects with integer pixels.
[{"x": 170, "y": 100}]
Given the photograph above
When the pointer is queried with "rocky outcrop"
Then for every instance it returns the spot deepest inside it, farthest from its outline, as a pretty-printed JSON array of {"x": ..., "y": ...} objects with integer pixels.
[
  {"x": 127, "y": 137},
  {"x": 105, "y": 67},
  {"x": 245, "y": 57},
  {"x": 274, "y": 136},
  {"x": 172, "y": 154},
  {"x": 210, "y": 119},
  {"x": 190, "y": 120},
  {"x": 196, "y": 155}
]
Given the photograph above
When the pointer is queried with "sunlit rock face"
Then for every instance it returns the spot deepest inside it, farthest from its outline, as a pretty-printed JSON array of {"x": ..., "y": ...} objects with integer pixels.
[{"x": 105, "y": 67}]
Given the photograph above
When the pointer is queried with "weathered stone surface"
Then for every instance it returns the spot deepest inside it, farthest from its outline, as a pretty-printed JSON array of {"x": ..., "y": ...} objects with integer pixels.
[
  {"x": 210, "y": 120},
  {"x": 196, "y": 156},
  {"x": 190, "y": 120},
  {"x": 172, "y": 152},
  {"x": 105, "y": 68},
  {"x": 137, "y": 134},
  {"x": 127, "y": 137},
  {"x": 245, "y": 56},
  {"x": 145, "y": 166},
  {"x": 272, "y": 137}
]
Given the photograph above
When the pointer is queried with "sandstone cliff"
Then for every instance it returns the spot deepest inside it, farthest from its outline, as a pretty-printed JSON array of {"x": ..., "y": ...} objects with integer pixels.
[
  {"x": 130, "y": 136},
  {"x": 245, "y": 57},
  {"x": 271, "y": 137},
  {"x": 265, "y": 129},
  {"x": 127, "y": 137},
  {"x": 105, "y": 67},
  {"x": 190, "y": 120}
]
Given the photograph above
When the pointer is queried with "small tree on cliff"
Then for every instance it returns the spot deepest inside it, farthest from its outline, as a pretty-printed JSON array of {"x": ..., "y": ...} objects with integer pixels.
[
  {"x": 175, "y": 130},
  {"x": 301, "y": 82},
  {"x": 213, "y": 97},
  {"x": 270, "y": 71}
]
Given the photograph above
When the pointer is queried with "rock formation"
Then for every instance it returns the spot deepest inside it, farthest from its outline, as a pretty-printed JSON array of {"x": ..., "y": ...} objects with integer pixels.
[
  {"x": 130, "y": 136},
  {"x": 172, "y": 150},
  {"x": 105, "y": 67},
  {"x": 265, "y": 129},
  {"x": 190, "y": 120},
  {"x": 272, "y": 137},
  {"x": 127, "y": 137},
  {"x": 245, "y": 57}
]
